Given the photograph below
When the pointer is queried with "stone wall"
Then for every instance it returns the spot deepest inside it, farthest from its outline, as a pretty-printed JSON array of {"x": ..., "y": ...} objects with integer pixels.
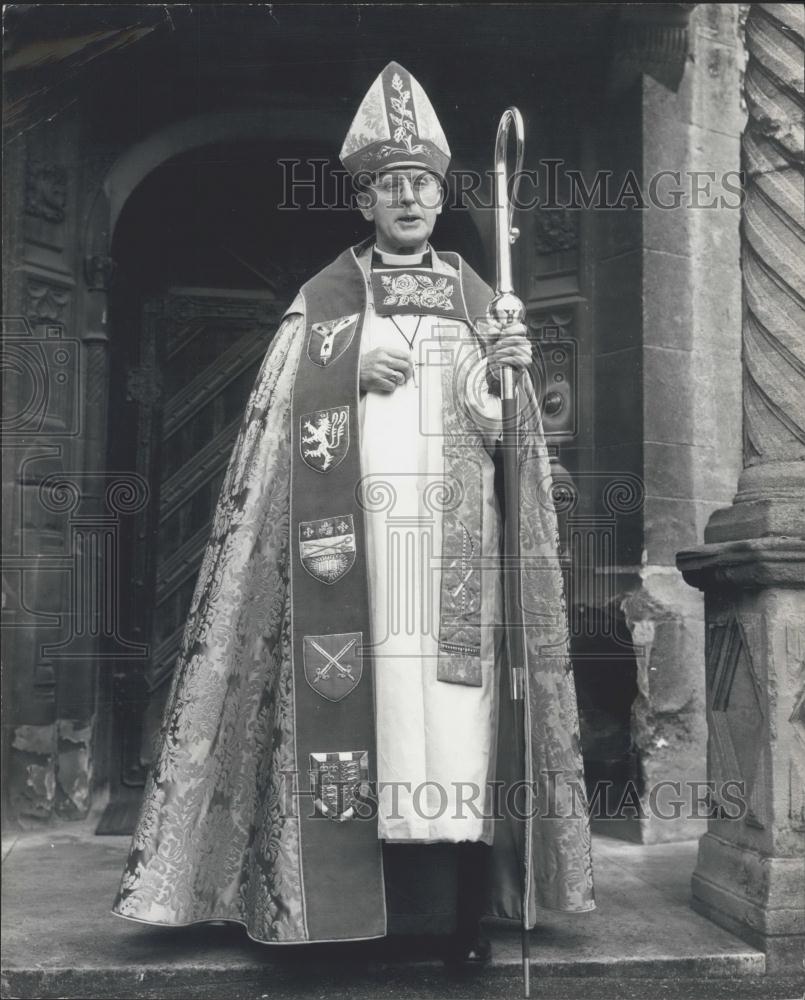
[
  {"x": 750, "y": 875},
  {"x": 667, "y": 377},
  {"x": 45, "y": 388}
]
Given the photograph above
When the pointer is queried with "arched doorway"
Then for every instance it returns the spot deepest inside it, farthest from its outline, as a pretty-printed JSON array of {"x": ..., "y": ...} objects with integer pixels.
[{"x": 207, "y": 260}]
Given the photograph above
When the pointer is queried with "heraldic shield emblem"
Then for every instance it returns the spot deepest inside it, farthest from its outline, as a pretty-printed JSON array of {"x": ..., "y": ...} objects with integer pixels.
[
  {"x": 328, "y": 340},
  {"x": 327, "y": 547},
  {"x": 324, "y": 437},
  {"x": 333, "y": 665},
  {"x": 339, "y": 781}
]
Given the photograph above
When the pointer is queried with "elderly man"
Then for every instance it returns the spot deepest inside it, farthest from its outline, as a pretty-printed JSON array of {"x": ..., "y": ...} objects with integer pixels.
[{"x": 339, "y": 730}]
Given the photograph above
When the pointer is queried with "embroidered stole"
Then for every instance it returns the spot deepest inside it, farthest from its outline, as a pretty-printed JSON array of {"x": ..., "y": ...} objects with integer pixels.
[{"x": 333, "y": 692}]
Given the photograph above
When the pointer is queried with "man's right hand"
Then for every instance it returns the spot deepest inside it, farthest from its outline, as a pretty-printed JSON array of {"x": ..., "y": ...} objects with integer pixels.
[{"x": 385, "y": 369}]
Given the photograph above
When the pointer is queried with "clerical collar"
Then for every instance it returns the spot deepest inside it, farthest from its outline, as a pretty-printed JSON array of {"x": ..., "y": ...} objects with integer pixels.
[{"x": 389, "y": 260}]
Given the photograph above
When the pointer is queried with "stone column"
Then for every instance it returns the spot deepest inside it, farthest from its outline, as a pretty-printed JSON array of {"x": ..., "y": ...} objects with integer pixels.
[
  {"x": 667, "y": 386},
  {"x": 750, "y": 876}
]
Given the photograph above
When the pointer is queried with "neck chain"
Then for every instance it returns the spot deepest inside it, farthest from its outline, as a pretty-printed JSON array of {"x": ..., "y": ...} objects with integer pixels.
[{"x": 410, "y": 342}]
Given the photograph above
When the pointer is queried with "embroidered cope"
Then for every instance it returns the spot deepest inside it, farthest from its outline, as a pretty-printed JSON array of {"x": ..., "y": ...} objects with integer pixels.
[{"x": 220, "y": 835}]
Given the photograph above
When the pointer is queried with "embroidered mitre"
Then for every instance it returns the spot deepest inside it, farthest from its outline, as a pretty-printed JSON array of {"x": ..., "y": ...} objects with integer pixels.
[{"x": 395, "y": 126}]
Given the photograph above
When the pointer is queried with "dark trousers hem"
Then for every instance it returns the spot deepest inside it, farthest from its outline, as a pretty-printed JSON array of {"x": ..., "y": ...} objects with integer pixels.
[{"x": 435, "y": 888}]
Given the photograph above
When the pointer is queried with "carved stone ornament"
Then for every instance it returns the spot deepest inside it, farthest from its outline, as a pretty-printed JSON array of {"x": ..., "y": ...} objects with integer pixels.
[
  {"x": 45, "y": 303},
  {"x": 98, "y": 270},
  {"x": 555, "y": 230},
  {"x": 737, "y": 716},
  {"x": 46, "y": 191},
  {"x": 651, "y": 39},
  {"x": 771, "y": 226}
]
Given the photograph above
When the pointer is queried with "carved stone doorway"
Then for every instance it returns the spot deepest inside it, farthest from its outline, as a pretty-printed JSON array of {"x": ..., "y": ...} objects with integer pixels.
[{"x": 206, "y": 263}]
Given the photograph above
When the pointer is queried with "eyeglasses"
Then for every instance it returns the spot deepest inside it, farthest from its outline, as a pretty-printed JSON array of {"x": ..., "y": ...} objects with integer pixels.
[{"x": 393, "y": 185}]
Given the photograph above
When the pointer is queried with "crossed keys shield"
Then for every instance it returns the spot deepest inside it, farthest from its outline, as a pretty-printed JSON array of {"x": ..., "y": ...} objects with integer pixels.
[{"x": 332, "y": 663}]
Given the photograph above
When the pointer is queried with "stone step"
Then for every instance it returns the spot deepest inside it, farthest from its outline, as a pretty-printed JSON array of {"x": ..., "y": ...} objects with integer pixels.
[
  {"x": 60, "y": 940},
  {"x": 349, "y": 984}
]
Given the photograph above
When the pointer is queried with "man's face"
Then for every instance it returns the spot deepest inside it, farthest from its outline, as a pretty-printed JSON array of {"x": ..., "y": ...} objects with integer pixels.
[{"x": 403, "y": 204}]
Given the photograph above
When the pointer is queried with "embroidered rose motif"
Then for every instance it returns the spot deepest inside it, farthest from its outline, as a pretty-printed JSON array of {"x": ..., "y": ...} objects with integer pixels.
[
  {"x": 432, "y": 298},
  {"x": 403, "y": 284},
  {"x": 418, "y": 290}
]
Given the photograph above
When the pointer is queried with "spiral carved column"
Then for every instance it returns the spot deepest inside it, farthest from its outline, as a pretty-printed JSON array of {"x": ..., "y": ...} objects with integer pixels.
[
  {"x": 750, "y": 876},
  {"x": 773, "y": 233}
]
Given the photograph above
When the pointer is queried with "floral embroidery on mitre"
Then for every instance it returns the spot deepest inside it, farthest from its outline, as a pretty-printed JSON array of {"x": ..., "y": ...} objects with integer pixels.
[
  {"x": 402, "y": 117},
  {"x": 417, "y": 290},
  {"x": 395, "y": 124}
]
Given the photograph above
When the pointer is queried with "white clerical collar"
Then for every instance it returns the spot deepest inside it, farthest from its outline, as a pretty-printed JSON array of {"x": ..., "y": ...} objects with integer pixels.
[{"x": 402, "y": 259}]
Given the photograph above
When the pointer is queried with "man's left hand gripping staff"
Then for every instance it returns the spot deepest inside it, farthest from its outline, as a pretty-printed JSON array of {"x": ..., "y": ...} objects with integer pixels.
[{"x": 507, "y": 345}]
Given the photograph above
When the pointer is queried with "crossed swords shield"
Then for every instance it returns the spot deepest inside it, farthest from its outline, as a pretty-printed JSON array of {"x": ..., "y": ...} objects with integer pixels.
[{"x": 332, "y": 663}]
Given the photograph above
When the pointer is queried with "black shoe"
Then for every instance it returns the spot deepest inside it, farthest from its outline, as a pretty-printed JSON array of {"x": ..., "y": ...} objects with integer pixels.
[{"x": 468, "y": 949}]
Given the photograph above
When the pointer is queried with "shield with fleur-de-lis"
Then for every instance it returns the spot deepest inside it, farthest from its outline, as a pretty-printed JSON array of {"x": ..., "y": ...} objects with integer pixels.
[{"x": 327, "y": 547}]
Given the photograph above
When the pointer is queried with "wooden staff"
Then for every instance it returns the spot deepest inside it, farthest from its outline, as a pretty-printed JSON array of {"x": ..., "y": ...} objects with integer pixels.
[{"x": 506, "y": 308}]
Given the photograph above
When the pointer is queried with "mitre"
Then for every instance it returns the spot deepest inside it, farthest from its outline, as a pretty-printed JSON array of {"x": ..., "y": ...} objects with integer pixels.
[{"x": 395, "y": 126}]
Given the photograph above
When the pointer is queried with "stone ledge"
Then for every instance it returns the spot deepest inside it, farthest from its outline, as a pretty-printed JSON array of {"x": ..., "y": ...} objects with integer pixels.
[
  {"x": 783, "y": 952},
  {"x": 759, "y": 518},
  {"x": 751, "y": 563},
  {"x": 770, "y": 502},
  {"x": 768, "y": 890}
]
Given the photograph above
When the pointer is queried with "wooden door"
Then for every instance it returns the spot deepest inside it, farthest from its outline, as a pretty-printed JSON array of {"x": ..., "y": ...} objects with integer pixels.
[{"x": 199, "y": 355}]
